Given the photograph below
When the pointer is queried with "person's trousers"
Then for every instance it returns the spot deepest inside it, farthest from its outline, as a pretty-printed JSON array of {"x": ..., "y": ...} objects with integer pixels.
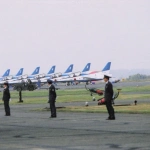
[
  {"x": 52, "y": 108},
  {"x": 110, "y": 109},
  {"x": 7, "y": 108}
]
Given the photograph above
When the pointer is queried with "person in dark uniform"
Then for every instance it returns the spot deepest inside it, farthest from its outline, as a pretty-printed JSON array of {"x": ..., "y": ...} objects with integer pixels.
[
  {"x": 52, "y": 98},
  {"x": 6, "y": 98},
  {"x": 108, "y": 98}
]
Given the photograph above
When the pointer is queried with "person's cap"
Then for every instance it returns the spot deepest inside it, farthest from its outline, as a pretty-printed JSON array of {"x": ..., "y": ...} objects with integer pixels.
[
  {"x": 5, "y": 83},
  {"x": 49, "y": 81},
  {"x": 107, "y": 76}
]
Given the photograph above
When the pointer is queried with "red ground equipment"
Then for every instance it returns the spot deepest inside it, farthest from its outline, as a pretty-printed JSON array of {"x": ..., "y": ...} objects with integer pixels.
[{"x": 101, "y": 101}]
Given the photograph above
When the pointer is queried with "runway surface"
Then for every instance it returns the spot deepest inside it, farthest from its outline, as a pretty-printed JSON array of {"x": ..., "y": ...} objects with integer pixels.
[
  {"x": 31, "y": 130},
  {"x": 28, "y": 129}
]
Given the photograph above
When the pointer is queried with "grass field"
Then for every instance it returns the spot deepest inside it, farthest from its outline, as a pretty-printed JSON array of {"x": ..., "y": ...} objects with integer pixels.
[
  {"x": 72, "y": 95},
  {"x": 77, "y": 95},
  {"x": 39, "y": 96}
]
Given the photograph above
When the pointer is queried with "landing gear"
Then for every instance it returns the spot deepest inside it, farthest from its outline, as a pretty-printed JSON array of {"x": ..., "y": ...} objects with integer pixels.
[
  {"x": 67, "y": 83},
  {"x": 20, "y": 97}
]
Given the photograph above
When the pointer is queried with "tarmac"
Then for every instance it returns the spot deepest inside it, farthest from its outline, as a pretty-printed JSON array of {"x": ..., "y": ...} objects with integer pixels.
[{"x": 26, "y": 129}]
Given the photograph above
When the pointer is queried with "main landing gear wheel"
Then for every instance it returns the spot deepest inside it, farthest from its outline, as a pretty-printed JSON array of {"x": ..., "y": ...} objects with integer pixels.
[{"x": 20, "y": 97}]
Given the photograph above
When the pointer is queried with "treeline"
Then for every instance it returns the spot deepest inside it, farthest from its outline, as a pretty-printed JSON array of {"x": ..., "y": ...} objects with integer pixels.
[{"x": 138, "y": 77}]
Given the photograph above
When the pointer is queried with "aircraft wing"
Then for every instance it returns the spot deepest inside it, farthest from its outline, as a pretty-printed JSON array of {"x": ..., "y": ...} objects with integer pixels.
[
  {"x": 92, "y": 79},
  {"x": 89, "y": 79}
]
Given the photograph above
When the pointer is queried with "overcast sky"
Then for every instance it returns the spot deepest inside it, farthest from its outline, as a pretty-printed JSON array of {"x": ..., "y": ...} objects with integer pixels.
[{"x": 60, "y": 32}]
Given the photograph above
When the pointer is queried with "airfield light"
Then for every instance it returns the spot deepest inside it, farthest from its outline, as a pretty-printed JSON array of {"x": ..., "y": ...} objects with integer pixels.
[
  {"x": 86, "y": 104},
  {"x": 135, "y": 102},
  {"x": 94, "y": 99}
]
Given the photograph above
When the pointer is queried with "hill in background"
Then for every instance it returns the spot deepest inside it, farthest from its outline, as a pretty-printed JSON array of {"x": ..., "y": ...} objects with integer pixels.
[{"x": 124, "y": 73}]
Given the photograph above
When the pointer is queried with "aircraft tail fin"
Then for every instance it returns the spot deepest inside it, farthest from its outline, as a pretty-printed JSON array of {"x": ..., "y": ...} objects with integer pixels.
[
  {"x": 70, "y": 68},
  {"x": 107, "y": 67},
  {"x": 36, "y": 71},
  {"x": 87, "y": 67},
  {"x": 52, "y": 70},
  {"x": 6, "y": 73},
  {"x": 20, "y": 72}
]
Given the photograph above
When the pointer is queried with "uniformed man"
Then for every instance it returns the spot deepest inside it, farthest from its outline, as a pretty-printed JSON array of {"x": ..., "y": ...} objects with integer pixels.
[
  {"x": 6, "y": 98},
  {"x": 108, "y": 98},
  {"x": 52, "y": 98}
]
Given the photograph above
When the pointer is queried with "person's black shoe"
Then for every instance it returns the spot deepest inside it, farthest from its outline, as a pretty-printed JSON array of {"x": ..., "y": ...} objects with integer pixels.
[
  {"x": 113, "y": 118},
  {"x": 108, "y": 118},
  {"x": 52, "y": 117},
  {"x": 7, "y": 115}
]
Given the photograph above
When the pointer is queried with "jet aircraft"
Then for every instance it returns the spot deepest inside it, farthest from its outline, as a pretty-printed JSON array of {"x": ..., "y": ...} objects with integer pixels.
[
  {"x": 91, "y": 76},
  {"x": 18, "y": 76},
  {"x": 85, "y": 71},
  {"x": 55, "y": 76}
]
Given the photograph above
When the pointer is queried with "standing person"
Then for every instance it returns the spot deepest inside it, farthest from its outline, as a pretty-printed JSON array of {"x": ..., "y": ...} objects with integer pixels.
[
  {"x": 108, "y": 98},
  {"x": 6, "y": 98},
  {"x": 52, "y": 98}
]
